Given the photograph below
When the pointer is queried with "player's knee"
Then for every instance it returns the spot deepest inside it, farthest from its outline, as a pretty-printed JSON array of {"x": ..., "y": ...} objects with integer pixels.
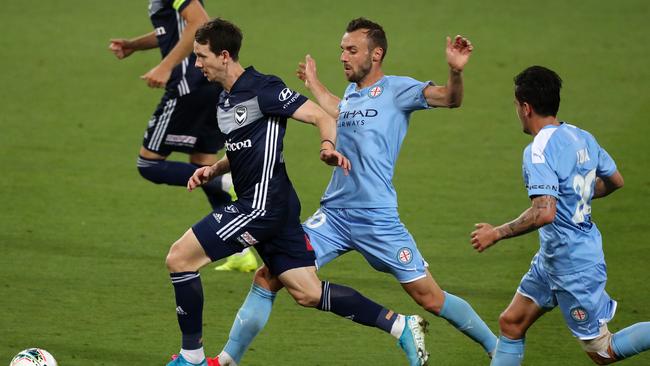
[
  {"x": 176, "y": 262},
  {"x": 429, "y": 301},
  {"x": 511, "y": 325},
  {"x": 150, "y": 169}
]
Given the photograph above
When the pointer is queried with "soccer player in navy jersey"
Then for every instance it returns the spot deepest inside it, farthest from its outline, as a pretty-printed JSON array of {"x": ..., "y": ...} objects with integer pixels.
[
  {"x": 359, "y": 212},
  {"x": 564, "y": 168},
  {"x": 185, "y": 119},
  {"x": 252, "y": 113}
]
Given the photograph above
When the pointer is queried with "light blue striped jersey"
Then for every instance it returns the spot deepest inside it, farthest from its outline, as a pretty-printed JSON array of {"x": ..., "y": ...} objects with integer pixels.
[
  {"x": 371, "y": 126},
  {"x": 563, "y": 161}
]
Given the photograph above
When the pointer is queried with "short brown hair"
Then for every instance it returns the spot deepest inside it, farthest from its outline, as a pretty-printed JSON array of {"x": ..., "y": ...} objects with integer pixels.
[{"x": 375, "y": 33}]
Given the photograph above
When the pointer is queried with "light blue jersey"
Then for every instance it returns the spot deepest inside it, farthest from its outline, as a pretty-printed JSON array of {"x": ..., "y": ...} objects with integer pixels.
[
  {"x": 371, "y": 126},
  {"x": 564, "y": 161}
]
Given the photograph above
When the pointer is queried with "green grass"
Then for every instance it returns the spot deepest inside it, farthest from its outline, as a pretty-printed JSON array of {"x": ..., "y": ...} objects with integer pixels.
[{"x": 83, "y": 237}]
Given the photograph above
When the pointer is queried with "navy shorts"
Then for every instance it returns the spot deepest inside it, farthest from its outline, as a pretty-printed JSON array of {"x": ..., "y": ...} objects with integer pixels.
[
  {"x": 186, "y": 124},
  {"x": 278, "y": 238}
]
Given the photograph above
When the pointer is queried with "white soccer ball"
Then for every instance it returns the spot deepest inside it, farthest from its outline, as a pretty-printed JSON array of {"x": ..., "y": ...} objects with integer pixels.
[{"x": 33, "y": 357}]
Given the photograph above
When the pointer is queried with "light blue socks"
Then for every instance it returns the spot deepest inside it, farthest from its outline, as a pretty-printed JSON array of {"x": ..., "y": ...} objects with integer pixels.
[
  {"x": 509, "y": 352},
  {"x": 461, "y": 315},
  {"x": 251, "y": 319},
  {"x": 631, "y": 340}
]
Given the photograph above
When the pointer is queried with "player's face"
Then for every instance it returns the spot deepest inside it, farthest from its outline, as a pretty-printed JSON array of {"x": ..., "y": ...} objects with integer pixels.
[
  {"x": 355, "y": 55},
  {"x": 210, "y": 64},
  {"x": 521, "y": 114}
]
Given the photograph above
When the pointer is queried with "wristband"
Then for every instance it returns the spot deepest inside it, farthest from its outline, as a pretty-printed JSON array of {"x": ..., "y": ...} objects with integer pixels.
[{"x": 330, "y": 141}]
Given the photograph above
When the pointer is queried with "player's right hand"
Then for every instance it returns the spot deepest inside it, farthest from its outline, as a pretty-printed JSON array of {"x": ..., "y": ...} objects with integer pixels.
[
  {"x": 201, "y": 176},
  {"x": 335, "y": 158},
  {"x": 121, "y": 48},
  {"x": 483, "y": 237},
  {"x": 307, "y": 71}
]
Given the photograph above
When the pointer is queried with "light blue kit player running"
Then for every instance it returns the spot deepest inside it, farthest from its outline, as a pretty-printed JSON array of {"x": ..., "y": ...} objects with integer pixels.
[
  {"x": 359, "y": 211},
  {"x": 564, "y": 169}
]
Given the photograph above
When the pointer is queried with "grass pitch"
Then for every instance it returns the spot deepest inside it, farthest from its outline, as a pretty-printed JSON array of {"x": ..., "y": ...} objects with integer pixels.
[{"x": 83, "y": 237}]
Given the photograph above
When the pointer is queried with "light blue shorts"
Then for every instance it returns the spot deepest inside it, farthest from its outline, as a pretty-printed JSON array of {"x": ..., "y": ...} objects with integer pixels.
[
  {"x": 377, "y": 234},
  {"x": 581, "y": 296}
]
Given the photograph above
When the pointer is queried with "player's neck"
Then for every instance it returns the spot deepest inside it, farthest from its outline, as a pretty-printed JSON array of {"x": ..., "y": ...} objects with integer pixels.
[
  {"x": 539, "y": 123},
  {"x": 231, "y": 75},
  {"x": 373, "y": 76}
]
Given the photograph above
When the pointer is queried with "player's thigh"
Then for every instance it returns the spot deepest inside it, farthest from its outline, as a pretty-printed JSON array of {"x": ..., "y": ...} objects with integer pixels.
[
  {"x": 199, "y": 158},
  {"x": 385, "y": 243},
  {"x": 585, "y": 304},
  {"x": 186, "y": 254},
  {"x": 328, "y": 234}
]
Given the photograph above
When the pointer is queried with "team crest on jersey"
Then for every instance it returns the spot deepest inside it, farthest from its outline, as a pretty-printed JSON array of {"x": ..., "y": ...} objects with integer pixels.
[
  {"x": 231, "y": 209},
  {"x": 240, "y": 114},
  {"x": 579, "y": 314},
  {"x": 375, "y": 91},
  {"x": 405, "y": 255}
]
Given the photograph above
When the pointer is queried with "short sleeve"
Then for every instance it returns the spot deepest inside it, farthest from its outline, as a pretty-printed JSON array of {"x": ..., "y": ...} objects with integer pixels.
[
  {"x": 540, "y": 178},
  {"x": 606, "y": 165},
  {"x": 409, "y": 93},
  {"x": 179, "y": 5},
  {"x": 276, "y": 99}
]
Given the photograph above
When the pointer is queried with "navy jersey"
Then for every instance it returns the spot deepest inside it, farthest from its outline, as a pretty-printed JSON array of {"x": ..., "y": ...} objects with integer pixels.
[
  {"x": 253, "y": 117},
  {"x": 169, "y": 24}
]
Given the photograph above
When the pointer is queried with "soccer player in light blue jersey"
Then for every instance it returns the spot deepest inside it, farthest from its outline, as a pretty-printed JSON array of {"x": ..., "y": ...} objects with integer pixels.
[
  {"x": 359, "y": 211},
  {"x": 564, "y": 169}
]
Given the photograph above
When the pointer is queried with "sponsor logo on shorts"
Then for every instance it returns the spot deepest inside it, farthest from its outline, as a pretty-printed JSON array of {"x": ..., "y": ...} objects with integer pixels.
[
  {"x": 240, "y": 114},
  {"x": 231, "y": 209},
  {"x": 579, "y": 314},
  {"x": 217, "y": 217},
  {"x": 247, "y": 239},
  {"x": 405, "y": 255},
  {"x": 180, "y": 140},
  {"x": 376, "y": 91},
  {"x": 160, "y": 31}
]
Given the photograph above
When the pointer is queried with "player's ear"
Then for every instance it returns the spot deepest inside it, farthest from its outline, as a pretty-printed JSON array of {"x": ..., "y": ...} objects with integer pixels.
[{"x": 377, "y": 53}]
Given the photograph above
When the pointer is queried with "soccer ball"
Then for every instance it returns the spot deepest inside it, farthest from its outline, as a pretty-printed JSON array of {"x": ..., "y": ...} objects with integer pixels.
[{"x": 33, "y": 357}]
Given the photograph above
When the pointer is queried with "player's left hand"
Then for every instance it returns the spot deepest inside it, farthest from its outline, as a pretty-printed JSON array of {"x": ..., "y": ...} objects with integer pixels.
[
  {"x": 458, "y": 52},
  {"x": 335, "y": 158},
  {"x": 483, "y": 237},
  {"x": 157, "y": 77}
]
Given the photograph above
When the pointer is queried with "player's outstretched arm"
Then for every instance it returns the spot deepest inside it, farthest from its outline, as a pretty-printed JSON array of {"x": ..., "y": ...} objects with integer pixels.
[
  {"x": 123, "y": 48},
  {"x": 194, "y": 15},
  {"x": 205, "y": 174},
  {"x": 313, "y": 114},
  {"x": 541, "y": 212},
  {"x": 607, "y": 185},
  {"x": 451, "y": 95},
  {"x": 307, "y": 72}
]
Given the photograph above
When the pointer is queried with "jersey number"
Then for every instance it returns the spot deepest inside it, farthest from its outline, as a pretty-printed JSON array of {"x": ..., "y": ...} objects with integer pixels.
[{"x": 583, "y": 186}]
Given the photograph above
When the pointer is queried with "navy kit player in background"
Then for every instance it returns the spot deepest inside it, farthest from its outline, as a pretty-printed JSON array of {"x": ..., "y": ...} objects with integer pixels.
[
  {"x": 252, "y": 113},
  {"x": 359, "y": 211},
  {"x": 185, "y": 119},
  {"x": 564, "y": 169}
]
